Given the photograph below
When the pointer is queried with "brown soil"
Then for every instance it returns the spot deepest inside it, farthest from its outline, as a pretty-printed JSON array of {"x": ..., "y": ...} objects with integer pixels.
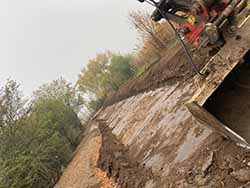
[
  {"x": 82, "y": 172},
  {"x": 114, "y": 160},
  {"x": 222, "y": 167},
  {"x": 173, "y": 67},
  {"x": 106, "y": 182}
]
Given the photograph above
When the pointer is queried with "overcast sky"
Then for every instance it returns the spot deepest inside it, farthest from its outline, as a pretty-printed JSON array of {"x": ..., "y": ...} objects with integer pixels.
[{"x": 41, "y": 40}]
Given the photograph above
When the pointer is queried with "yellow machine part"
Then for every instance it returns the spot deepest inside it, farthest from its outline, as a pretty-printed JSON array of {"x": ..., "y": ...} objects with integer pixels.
[{"x": 244, "y": 15}]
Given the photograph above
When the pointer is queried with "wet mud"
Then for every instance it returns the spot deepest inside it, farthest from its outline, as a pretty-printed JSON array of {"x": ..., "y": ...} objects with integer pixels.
[{"x": 114, "y": 159}]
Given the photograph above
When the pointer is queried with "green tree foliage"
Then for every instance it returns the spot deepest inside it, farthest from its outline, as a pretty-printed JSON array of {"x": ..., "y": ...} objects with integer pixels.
[
  {"x": 11, "y": 108},
  {"x": 57, "y": 117},
  {"x": 93, "y": 78},
  {"x": 105, "y": 74},
  {"x": 120, "y": 70},
  {"x": 35, "y": 143},
  {"x": 60, "y": 89}
]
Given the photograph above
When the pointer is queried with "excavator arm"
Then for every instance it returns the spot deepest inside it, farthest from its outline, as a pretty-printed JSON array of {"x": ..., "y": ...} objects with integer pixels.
[{"x": 203, "y": 22}]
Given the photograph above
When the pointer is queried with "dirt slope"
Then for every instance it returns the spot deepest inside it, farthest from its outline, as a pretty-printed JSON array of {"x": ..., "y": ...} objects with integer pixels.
[
  {"x": 150, "y": 140},
  {"x": 163, "y": 136},
  {"x": 114, "y": 160},
  {"x": 83, "y": 171}
]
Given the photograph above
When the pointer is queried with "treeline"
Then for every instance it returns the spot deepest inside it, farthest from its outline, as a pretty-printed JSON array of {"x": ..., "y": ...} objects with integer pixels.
[{"x": 38, "y": 136}]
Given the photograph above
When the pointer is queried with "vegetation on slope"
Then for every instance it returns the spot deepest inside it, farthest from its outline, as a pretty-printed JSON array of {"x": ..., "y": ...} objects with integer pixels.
[{"x": 37, "y": 138}]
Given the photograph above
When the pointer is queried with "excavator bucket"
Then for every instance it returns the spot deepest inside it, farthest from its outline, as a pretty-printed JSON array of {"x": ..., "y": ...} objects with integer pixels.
[
  {"x": 211, "y": 122},
  {"x": 221, "y": 101}
]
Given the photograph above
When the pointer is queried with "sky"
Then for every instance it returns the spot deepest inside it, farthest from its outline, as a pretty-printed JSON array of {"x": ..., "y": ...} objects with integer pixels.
[{"x": 42, "y": 40}]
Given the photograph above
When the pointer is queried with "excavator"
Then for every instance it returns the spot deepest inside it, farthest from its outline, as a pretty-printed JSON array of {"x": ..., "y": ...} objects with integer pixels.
[
  {"x": 223, "y": 25},
  {"x": 203, "y": 23}
]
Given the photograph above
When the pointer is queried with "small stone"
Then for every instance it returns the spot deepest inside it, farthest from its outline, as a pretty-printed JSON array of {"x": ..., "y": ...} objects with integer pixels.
[
  {"x": 242, "y": 175},
  {"x": 150, "y": 184},
  {"x": 118, "y": 154},
  {"x": 208, "y": 162},
  {"x": 200, "y": 180},
  {"x": 125, "y": 164},
  {"x": 248, "y": 164}
]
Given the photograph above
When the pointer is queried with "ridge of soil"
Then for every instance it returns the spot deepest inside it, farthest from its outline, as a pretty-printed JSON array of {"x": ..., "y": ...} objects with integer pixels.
[
  {"x": 82, "y": 171},
  {"x": 173, "y": 67},
  {"x": 116, "y": 162}
]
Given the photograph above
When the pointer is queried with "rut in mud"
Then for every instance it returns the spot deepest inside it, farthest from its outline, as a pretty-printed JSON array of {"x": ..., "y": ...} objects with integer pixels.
[
  {"x": 230, "y": 103},
  {"x": 114, "y": 159}
]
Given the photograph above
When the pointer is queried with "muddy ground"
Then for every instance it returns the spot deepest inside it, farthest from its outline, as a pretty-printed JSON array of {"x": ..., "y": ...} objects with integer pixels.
[
  {"x": 114, "y": 159},
  {"x": 219, "y": 163},
  {"x": 205, "y": 160},
  {"x": 151, "y": 140},
  {"x": 82, "y": 172},
  {"x": 227, "y": 166}
]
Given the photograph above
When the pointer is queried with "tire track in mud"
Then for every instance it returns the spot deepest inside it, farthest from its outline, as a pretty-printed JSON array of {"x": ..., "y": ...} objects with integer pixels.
[{"x": 115, "y": 161}]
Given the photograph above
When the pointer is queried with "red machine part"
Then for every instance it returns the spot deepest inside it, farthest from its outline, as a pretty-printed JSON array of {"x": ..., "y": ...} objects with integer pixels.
[{"x": 198, "y": 23}]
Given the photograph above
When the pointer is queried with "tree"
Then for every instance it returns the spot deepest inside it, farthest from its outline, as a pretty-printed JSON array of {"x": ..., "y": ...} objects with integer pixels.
[
  {"x": 156, "y": 37},
  {"x": 36, "y": 143},
  {"x": 104, "y": 74},
  {"x": 92, "y": 78},
  {"x": 62, "y": 90},
  {"x": 157, "y": 33},
  {"x": 121, "y": 70},
  {"x": 55, "y": 116},
  {"x": 12, "y": 108},
  {"x": 13, "y": 114}
]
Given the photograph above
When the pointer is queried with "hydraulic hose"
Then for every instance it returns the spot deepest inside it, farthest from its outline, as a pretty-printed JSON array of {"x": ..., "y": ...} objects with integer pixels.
[
  {"x": 190, "y": 59},
  {"x": 228, "y": 10}
]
